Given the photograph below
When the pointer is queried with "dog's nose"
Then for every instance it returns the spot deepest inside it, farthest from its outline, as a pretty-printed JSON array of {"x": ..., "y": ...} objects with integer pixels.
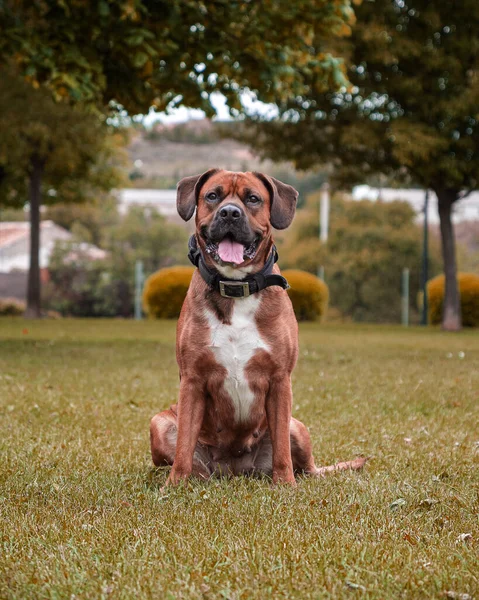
[{"x": 230, "y": 212}]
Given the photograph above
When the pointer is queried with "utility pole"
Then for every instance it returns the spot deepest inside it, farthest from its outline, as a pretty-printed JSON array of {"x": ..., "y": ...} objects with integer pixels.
[
  {"x": 138, "y": 289},
  {"x": 405, "y": 298},
  {"x": 425, "y": 261},
  {"x": 323, "y": 220},
  {"x": 324, "y": 213}
]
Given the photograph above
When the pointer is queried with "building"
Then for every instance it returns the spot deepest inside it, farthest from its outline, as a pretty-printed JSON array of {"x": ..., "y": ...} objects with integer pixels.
[
  {"x": 15, "y": 245},
  {"x": 463, "y": 210},
  {"x": 163, "y": 201}
]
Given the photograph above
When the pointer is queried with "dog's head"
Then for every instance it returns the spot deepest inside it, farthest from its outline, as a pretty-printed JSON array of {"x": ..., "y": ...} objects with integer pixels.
[{"x": 235, "y": 213}]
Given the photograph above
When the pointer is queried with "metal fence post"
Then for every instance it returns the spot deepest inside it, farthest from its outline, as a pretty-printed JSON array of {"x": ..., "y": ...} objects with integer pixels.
[
  {"x": 324, "y": 213},
  {"x": 405, "y": 298},
  {"x": 138, "y": 289},
  {"x": 425, "y": 262},
  {"x": 323, "y": 220},
  {"x": 321, "y": 272}
]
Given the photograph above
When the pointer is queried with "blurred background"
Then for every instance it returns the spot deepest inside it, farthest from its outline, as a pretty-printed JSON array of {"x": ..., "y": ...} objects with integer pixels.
[{"x": 369, "y": 109}]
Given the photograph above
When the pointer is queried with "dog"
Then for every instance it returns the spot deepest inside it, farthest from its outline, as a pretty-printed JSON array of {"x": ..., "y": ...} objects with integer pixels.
[{"x": 237, "y": 340}]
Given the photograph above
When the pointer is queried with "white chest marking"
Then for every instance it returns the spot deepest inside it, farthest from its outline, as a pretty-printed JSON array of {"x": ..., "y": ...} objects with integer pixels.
[{"x": 233, "y": 346}]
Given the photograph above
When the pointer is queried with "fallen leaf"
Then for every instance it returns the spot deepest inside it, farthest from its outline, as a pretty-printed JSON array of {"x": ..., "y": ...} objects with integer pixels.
[
  {"x": 428, "y": 502},
  {"x": 355, "y": 586},
  {"x": 457, "y": 595},
  {"x": 409, "y": 538},
  {"x": 397, "y": 503}
]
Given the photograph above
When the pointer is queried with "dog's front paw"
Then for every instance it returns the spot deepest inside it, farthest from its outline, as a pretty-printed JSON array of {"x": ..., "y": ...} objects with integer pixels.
[
  {"x": 176, "y": 476},
  {"x": 284, "y": 476}
]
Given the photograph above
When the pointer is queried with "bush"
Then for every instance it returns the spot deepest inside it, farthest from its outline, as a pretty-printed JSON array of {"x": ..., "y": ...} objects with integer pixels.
[
  {"x": 82, "y": 287},
  {"x": 11, "y": 307},
  {"x": 165, "y": 292},
  {"x": 369, "y": 244},
  {"x": 308, "y": 293},
  {"x": 469, "y": 291}
]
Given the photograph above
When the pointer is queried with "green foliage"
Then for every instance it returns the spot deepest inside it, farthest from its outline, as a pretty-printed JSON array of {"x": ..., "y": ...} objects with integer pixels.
[
  {"x": 410, "y": 114},
  {"x": 82, "y": 287},
  {"x": 11, "y": 307},
  {"x": 309, "y": 295},
  {"x": 159, "y": 53},
  {"x": 90, "y": 221},
  {"x": 469, "y": 291},
  {"x": 78, "y": 154},
  {"x": 369, "y": 244},
  {"x": 145, "y": 235},
  {"x": 412, "y": 110},
  {"x": 165, "y": 292}
]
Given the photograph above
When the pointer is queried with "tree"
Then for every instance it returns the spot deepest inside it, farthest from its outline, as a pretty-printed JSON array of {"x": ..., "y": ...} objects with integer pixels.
[
  {"x": 89, "y": 221},
  {"x": 145, "y": 53},
  {"x": 49, "y": 152},
  {"x": 369, "y": 245},
  {"x": 410, "y": 114},
  {"x": 86, "y": 288},
  {"x": 144, "y": 234}
]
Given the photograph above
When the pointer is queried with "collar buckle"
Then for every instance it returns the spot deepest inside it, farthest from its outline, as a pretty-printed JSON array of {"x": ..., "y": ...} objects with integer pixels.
[{"x": 234, "y": 289}]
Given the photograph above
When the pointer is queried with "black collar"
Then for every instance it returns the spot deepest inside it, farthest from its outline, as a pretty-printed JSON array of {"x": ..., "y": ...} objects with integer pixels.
[{"x": 241, "y": 288}]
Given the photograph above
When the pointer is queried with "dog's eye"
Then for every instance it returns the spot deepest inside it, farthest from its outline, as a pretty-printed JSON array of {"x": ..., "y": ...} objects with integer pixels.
[
  {"x": 254, "y": 199},
  {"x": 212, "y": 196}
]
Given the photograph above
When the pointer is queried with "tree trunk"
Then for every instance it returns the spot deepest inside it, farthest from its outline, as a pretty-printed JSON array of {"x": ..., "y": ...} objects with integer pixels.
[
  {"x": 33, "y": 290},
  {"x": 451, "y": 312}
]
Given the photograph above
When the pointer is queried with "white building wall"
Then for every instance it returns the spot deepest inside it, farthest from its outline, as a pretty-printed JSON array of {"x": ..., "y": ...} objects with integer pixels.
[
  {"x": 16, "y": 254},
  {"x": 463, "y": 210}
]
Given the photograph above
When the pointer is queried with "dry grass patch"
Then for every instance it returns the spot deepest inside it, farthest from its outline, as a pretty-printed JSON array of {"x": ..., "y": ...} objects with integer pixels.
[{"x": 82, "y": 514}]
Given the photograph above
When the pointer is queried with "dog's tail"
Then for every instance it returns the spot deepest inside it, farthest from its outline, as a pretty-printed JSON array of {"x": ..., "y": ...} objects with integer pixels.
[{"x": 352, "y": 465}]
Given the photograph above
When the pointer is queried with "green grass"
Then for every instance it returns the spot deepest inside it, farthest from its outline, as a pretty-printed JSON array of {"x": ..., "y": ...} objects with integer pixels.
[{"x": 83, "y": 516}]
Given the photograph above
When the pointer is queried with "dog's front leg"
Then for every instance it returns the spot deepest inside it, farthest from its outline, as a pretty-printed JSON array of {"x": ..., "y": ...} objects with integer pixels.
[
  {"x": 278, "y": 411},
  {"x": 191, "y": 408}
]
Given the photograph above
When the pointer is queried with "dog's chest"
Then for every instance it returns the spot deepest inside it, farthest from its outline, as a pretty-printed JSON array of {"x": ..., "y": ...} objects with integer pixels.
[{"x": 233, "y": 346}]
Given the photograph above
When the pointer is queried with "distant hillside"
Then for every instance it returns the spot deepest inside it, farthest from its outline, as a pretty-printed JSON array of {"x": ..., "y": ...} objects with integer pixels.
[
  {"x": 169, "y": 153},
  {"x": 161, "y": 156}
]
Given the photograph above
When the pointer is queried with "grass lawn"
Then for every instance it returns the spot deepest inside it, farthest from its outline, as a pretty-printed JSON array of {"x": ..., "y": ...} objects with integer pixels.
[{"x": 81, "y": 510}]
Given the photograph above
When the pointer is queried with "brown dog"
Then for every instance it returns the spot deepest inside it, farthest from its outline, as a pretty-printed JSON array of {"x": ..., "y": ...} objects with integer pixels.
[{"x": 236, "y": 340}]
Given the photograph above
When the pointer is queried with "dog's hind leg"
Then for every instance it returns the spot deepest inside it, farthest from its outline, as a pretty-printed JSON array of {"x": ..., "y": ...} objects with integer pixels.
[
  {"x": 163, "y": 437},
  {"x": 302, "y": 454},
  {"x": 301, "y": 448}
]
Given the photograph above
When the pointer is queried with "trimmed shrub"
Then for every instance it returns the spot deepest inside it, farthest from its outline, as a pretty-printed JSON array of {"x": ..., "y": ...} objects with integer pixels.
[
  {"x": 11, "y": 307},
  {"x": 165, "y": 292},
  {"x": 469, "y": 291},
  {"x": 308, "y": 293}
]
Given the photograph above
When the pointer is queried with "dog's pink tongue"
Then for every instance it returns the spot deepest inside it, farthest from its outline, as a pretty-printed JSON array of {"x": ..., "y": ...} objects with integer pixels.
[{"x": 230, "y": 251}]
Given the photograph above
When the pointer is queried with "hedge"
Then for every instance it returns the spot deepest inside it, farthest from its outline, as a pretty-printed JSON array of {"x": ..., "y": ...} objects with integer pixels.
[
  {"x": 469, "y": 291},
  {"x": 309, "y": 295},
  {"x": 165, "y": 292},
  {"x": 11, "y": 307}
]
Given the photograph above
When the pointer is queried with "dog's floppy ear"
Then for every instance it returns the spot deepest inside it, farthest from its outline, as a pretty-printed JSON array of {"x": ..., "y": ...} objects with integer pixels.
[
  {"x": 283, "y": 201},
  {"x": 187, "y": 192}
]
